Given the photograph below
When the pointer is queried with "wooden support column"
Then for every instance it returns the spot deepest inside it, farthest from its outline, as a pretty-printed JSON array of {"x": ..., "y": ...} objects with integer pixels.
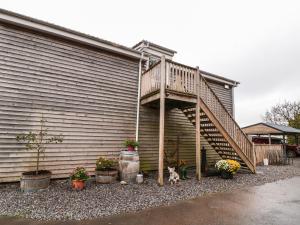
[
  {"x": 198, "y": 144},
  {"x": 162, "y": 121}
]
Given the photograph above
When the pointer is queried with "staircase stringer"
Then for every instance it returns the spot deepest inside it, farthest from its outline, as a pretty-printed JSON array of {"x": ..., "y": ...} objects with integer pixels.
[{"x": 228, "y": 138}]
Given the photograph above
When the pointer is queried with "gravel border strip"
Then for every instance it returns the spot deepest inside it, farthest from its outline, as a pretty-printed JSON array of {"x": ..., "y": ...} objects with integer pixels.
[{"x": 59, "y": 202}]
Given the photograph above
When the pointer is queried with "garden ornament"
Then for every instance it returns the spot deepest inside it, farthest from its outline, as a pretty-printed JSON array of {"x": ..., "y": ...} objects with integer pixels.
[{"x": 174, "y": 177}]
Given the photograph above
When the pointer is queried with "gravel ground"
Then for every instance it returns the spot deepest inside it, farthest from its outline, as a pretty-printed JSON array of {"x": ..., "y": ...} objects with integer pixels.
[{"x": 59, "y": 202}]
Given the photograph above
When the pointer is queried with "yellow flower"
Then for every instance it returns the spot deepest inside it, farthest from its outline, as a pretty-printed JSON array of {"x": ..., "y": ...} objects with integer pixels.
[{"x": 234, "y": 166}]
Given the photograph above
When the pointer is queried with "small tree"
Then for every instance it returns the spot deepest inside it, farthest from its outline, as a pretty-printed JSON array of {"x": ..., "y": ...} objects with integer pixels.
[
  {"x": 287, "y": 113},
  {"x": 281, "y": 114},
  {"x": 38, "y": 141}
]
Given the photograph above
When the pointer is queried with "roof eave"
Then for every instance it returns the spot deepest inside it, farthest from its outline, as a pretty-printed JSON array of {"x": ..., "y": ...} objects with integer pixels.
[{"x": 45, "y": 27}]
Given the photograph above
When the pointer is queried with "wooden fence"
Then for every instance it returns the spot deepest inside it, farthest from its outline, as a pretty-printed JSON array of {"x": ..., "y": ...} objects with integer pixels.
[{"x": 274, "y": 153}]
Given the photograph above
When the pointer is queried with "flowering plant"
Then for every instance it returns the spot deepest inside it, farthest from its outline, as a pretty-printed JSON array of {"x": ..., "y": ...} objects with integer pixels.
[
  {"x": 234, "y": 166},
  {"x": 103, "y": 164},
  {"x": 222, "y": 165},
  {"x": 229, "y": 166},
  {"x": 80, "y": 173}
]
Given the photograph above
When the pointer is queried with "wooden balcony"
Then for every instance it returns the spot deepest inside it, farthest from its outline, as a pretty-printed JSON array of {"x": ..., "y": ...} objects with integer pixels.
[
  {"x": 172, "y": 85},
  {"x": 179, "y": 82}
]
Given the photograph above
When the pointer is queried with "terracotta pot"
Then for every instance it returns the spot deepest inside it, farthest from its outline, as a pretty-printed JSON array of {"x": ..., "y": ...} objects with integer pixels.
[
  {"x": 78, "y": 185},
  {"x": 106, "y": 177},
  {"x": 130, "y": 148},
  {"x": 30, "y": 181}
]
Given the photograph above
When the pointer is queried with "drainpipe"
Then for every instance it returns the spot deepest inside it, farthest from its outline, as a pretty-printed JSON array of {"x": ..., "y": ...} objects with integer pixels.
[{"x": 138, "y": 100}]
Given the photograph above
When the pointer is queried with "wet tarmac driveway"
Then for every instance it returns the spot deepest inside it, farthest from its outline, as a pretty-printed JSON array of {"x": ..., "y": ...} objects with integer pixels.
[{"x": 275, "y": 203}]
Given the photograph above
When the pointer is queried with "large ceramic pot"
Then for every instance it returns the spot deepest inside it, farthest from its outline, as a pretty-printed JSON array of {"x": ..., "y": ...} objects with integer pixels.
[
  {"x": 78, "y": 185},
  {"x": 106, "y": 177},
  {"x": 129, "y": 165},
  {"x": 30, "y": 181},
  {"x": 226, "y": 175}
]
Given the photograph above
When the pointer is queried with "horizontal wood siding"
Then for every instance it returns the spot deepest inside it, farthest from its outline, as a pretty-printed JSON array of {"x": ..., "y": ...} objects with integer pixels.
[
  {"x": 225, "y": 95},
  {"x": 87, "y": 95},
  {"x": 176, "y": 124}
]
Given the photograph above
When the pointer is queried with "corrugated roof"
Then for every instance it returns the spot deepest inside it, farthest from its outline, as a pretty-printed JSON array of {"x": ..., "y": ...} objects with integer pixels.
[
  {"x": 285, "y": 129},
  {"x": 281, "y": 128}
]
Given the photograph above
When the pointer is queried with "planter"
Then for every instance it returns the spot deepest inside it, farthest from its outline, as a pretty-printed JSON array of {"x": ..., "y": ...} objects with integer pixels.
[
  {"x": 226, "y": 175},
  {"x": 266, "y": 161},
  {"x": 129, "y": 165},
  {"x": 30, "y": 181},
  {"x": 106, "y": 177},
  {"x": 130, "y": 148},
  {"x": 139, "y": 178},
  {"x": 78, "y": 185}
]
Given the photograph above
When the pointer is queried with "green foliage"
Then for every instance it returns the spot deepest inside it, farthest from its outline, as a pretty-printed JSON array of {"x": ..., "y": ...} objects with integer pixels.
[
  {"x": 37, "y": 141},
  {"x": 296, "y": 124},
  {"x": 282, "y": 113},
  {"x": 80, "y": 173},
  {"x": 103, "y": 164},
  {"x": 131, "y": 143}
]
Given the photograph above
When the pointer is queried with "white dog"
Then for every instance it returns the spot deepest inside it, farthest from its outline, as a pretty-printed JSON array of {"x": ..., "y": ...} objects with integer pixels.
[{"x": 174, "y": 177}]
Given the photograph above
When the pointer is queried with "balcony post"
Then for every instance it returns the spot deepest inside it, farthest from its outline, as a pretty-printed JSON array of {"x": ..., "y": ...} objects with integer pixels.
[
  {"x": 162, "y": 121},
  {"x": 198, "y": 142}
]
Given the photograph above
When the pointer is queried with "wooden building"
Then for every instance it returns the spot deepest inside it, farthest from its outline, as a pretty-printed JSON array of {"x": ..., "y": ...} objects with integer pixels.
[{"x": 97, "y": 93}]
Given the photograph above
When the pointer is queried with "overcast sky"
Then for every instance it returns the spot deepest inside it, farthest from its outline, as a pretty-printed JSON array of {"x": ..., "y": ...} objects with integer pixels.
[{"x": 254, "y": 42}]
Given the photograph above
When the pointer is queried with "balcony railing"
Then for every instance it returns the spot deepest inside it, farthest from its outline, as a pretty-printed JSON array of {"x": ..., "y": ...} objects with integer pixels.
[{"x": 179, "y": 78}]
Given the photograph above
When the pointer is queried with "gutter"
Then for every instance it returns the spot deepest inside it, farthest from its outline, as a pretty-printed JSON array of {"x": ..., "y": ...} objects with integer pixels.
[{"x": 138, "y": 99}]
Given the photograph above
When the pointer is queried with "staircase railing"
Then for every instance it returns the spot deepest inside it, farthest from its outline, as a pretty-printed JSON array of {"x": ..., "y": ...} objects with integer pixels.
[{"x": 211, "y": 100}]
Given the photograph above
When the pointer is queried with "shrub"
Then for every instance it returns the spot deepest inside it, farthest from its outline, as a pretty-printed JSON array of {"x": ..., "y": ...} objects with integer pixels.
[
  {"x": 103, "y": 164},
  {"x": 37, "y": 141},
  {"x": 80, "y": 173},
  {"x": 131, "y": 143}
]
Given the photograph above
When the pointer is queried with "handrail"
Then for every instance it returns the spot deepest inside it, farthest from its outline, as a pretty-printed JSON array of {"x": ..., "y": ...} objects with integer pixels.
[{"x": 224, "y": 117}]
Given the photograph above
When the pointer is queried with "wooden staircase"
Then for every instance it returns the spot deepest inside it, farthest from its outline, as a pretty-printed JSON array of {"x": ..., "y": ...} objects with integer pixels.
[
  {"x": 220, "y": 130},
  {"x": 175, "y": 85}
]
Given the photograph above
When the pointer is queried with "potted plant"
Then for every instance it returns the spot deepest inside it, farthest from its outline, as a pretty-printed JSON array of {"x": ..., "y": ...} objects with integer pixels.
[
  {"x": 78, "y": 178},
  {"x": 131, "y": 144},
  {"x": 227, "y": 168},
  {"x": 37, "y": 142},
  {"x": 106, "y": 171}
]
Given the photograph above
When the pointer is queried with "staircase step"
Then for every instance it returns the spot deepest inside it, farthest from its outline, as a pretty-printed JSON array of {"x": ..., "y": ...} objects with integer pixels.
[
  {"x": 216, "y": 135},
  {"x": 225, "y": 145},
  {"x": 220, "y": 142},
  {"x": 212, "y": 132},
  {"x": 228, "y": 154},
  {"x": 207, "y": 126}
]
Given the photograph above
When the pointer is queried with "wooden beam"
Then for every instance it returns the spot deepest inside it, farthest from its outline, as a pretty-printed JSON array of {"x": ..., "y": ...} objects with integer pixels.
[
  {"x": 198, "y": 143},
  {"x": 162, "y": 121}
]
